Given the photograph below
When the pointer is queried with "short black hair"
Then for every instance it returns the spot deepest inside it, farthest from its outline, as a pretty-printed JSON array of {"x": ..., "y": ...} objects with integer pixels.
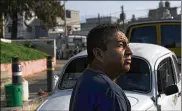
[{"x": 98, "y": 37}]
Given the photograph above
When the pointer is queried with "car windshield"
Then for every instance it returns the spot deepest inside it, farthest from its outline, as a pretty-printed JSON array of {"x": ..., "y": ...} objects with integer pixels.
[
  {"x": 171, "y": 36},
  {"x": 137, "y": 79},
  {"x": 145, "y": 34}
]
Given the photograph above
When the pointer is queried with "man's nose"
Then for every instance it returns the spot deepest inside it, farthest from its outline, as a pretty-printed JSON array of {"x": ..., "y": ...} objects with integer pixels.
[{"x": 128, "y": 51}]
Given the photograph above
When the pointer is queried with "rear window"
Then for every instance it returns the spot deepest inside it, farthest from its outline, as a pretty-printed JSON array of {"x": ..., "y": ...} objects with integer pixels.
[
  {"x": 171, "y": 36},
  {"x": 137, "y": 79},
  {"x": 146, "y": 34}
]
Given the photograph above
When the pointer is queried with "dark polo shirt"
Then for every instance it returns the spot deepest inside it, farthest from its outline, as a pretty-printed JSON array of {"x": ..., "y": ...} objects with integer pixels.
[{"x": 94, "y": 91}]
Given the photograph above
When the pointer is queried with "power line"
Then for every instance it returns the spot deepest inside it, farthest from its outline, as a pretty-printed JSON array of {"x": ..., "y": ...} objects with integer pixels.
[
  {"x": 136, "y": 10},
  {"x": 117, "y": 12}
]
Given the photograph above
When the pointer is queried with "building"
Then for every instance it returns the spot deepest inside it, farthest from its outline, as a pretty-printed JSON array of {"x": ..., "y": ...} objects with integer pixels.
[
  {"x": 92, "y": 22},
  {"x": 27, "y": 29},
  {"x": 101, "y": 20},
  {"x": 72, "y": 23},
  {"x": 162, "y": 12},
  {"x": 158, "y": 13},
  {"x": 33, "y": 29}
]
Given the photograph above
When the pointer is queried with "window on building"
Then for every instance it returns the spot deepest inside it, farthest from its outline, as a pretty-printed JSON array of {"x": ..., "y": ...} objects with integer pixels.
[
  {"x": 29, "y": 29},
  {"x": 145, "y": 34},
  {"x": 171, "y": 36},
  {"x": 9, "y": 29},
  {"x": 68, "y": 14}
]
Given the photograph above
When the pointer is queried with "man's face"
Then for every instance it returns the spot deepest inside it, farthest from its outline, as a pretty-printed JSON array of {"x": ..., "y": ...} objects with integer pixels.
[{"x": 117, "y": 57}]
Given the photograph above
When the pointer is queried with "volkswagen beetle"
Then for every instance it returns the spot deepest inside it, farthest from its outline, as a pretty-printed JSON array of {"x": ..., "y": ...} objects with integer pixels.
[{"x": 153, "y": 82}]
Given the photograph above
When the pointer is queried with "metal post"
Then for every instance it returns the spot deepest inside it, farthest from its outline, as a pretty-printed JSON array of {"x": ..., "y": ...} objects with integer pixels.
[
  {"x": 16, "y": 71},
  {"x": 50, "y": 77},
  {"x": 65, "y": 24},
  {"x": 122, "y": 9},
  {"x": 98, "y": 18}
]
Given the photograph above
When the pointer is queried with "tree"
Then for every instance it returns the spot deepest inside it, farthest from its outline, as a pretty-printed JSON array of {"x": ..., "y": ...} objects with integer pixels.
[
  {"x": 2, "y": 31},
  {"x": 3, "y": 18},
  {"x": 48, "y": 11},
  {"x": 45, "y": 10}
]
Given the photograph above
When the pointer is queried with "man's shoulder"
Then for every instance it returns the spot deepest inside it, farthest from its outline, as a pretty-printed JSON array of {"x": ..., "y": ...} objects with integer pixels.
[{"x": 93, "y": 80}]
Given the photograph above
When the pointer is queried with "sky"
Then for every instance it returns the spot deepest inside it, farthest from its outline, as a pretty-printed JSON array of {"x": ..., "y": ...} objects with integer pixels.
[{"x": 90, "y": 9}]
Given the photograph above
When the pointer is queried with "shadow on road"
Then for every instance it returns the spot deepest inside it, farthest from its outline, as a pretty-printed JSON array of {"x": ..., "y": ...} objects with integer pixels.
[{"x": 41, "y": 84}]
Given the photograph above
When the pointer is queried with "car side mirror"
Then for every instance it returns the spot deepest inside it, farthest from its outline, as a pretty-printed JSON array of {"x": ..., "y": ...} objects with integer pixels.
[{"x": 171, "y": 90}]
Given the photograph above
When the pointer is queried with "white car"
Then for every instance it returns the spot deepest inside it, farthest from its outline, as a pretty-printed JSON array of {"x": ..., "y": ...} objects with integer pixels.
[{"x": 153, "y": 82}]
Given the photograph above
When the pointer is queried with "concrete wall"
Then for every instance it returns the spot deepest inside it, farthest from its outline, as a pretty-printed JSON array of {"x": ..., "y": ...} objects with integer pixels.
[{"x": 28, "y": 67}]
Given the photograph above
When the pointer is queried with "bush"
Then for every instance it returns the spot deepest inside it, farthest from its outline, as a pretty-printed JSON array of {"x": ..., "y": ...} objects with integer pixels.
[{"x": 29, "y": 44}]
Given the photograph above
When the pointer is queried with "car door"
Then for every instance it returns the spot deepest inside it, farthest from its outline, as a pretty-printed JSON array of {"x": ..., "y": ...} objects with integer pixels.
[
  {"x": 177, "y": 97},
  {"x": 167, "y": 67}
]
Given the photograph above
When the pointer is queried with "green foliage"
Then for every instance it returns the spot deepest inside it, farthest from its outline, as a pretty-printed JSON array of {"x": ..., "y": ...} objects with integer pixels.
[
  {"x": 29, "y": 44},
  {"x": 9, "y": 50},
  {"x": 46, "y": 10}
]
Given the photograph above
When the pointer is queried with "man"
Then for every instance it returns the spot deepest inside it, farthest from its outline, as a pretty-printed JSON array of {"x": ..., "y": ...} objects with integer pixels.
[{"x": 109, "y": 55}]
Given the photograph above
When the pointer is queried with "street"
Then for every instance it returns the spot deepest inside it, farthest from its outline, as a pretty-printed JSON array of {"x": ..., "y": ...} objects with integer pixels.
[
  {"x": 121, "y": 37},
  {"x": 39, "y": 81}
]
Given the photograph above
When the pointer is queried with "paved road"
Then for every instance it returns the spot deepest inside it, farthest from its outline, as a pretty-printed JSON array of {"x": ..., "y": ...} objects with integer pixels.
[{"x": 39, "y": 81}]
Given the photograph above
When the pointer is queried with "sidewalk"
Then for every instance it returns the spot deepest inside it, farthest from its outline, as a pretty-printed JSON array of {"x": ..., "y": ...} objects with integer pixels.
[{"x": 36, "y": 82}]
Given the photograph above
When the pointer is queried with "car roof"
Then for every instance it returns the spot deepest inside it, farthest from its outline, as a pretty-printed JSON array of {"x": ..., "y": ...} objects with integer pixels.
[
  {"x": 149, "y": 52},
  {"x": 154, "y": 22}
]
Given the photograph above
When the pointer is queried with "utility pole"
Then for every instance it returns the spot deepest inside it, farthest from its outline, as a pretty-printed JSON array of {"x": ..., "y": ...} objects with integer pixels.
[
  {"x": 122, "y": 15},
  {"x": 65, "y": 35},
  {"x": 65, "y": 24},
  {"x": 99, "y": 18}
]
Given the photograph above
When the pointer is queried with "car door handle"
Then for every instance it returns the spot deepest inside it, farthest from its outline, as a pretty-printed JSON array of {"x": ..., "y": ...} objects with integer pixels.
[{"x": 179, "y": 94}]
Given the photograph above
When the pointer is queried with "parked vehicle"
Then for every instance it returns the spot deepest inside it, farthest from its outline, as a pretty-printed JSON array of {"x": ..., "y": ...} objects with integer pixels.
[
  {"x": 164, "y": 32},
  {"x": 153, "y": 82}
]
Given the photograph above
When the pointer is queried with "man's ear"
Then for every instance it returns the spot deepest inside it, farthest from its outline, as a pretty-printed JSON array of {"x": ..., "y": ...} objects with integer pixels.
[{"x": 98, "y": 53}]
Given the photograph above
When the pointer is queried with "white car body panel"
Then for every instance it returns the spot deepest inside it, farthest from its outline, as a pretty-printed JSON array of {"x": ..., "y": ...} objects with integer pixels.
[
  {"x": 60, "y": 99},
  {"x": 54, "y": 102}
]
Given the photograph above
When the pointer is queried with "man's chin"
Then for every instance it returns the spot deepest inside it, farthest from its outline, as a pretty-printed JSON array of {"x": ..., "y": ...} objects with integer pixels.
[{"x": 126, "y": 68}]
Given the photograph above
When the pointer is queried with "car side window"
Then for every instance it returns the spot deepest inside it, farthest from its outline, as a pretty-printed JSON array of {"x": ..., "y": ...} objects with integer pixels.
[
  {"x": 72, "y": 72},
  {"x": 166, "y": 74}
]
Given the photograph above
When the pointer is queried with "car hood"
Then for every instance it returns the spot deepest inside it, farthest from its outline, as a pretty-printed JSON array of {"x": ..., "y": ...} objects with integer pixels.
[{"x": 60, "y": 101}]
